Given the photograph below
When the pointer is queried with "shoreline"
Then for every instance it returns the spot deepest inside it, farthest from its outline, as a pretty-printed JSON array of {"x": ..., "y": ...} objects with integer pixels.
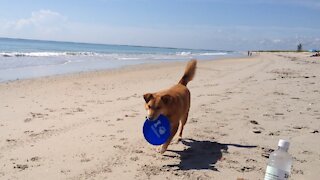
[
  {"x": 89, "y": 125},
  {"x": 47, "y": 58},
  {"x": 120, "y": 68}
]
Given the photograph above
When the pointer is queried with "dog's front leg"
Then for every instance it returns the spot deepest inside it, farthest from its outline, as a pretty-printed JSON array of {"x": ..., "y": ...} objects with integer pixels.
[{"x": 174, "y": 129}]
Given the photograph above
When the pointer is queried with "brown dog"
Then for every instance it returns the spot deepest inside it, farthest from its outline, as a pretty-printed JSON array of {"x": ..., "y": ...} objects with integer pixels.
[{"x": 173, "y": 103}]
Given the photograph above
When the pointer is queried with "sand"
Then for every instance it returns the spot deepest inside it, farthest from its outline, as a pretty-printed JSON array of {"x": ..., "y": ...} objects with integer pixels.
[{"x": 89, "y": 125}]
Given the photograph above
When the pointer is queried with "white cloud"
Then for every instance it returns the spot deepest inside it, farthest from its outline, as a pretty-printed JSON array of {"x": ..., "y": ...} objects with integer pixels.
[{"x": 40, "y": 23}]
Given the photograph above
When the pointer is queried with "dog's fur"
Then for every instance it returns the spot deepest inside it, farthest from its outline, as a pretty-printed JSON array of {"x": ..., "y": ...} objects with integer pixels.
[{"x": 174, "y": 103}]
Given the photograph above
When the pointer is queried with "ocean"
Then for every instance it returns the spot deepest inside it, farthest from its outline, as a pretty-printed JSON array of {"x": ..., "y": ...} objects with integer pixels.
[{"x": 24, "y": 59}]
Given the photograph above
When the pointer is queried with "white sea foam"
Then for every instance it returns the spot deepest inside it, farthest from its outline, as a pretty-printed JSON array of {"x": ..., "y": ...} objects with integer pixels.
[
  {"x": 213, "y": 54},
  {"x": 46, "y": 54},
  {"x": 183, "y": 53},
  {"x": 201, "y": 54}
]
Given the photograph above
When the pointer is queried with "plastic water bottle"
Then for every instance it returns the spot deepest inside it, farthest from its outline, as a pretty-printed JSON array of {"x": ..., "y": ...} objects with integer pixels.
[{"x": 279, "y": 164}]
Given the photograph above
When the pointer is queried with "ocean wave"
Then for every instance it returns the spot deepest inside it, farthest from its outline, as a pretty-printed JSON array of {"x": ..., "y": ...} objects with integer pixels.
[
  {"x": 46, "y": 54},
  {"x": 128, "y": 58},
  {"x": 201, "y": 54},
  {"x": 183, "y": 53},
  {"x": 117, "y": 56},
  {"x": 213, "y": 54}
]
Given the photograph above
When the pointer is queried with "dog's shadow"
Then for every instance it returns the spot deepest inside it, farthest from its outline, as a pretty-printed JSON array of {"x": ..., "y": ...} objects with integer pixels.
[{"x": 201, "y": 154}]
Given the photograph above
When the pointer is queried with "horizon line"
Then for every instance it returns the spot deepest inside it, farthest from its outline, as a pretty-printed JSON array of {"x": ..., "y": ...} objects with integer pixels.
[{"x": 106, "y": 44}]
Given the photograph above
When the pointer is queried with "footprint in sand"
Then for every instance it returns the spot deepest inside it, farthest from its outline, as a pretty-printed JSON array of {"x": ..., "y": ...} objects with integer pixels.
[
  {"x": 315, "y": 131},
  {"x": 266, "y": 152},
  {"x": 306, "y": 152},
  {"x": 84, "y": 158},
  {"x": 256, "y": 130},
  {"x": 50, "y": 110},
  {"x": 247, "y": 169},
  {"x": 210, "y": 85},
  {"x": 11, "y": 140},
  {"x": 122, "y": 98},
  {"x": 276, "y": 133},
  {"x": 27, "y": 132},
  {"x": 34, "y": 159},
  {"x": 27, "y": 120},
  {"x": 132, "y": 115},
  {"x": 251, "y": 161},
  {"x": 297, "y": 171},
  {"x": 120, "y": 147},
  {"x": 299, "y": 160},
  {"x": 21, "y": 166},
  {"x": 120, "y": 131},
  {"x": 42, "y": 133},
  {"x": 300, "y": 127},
  {"x": 78, "y": 110},
  {"x": 65, "y": 171},
  {"x": 119, "y": 119},
  {"x": 38, "y": 115},
  {"x": 193, "y": 120},
  {"x": 35, "y": 116},
  {"x": 135, "y": 158},
  {"x": 209, "y": 110},
  {"x": 137, "y": 151},
  {"x": 112, "y": 137},
  {"x": 254, "y": 122}
]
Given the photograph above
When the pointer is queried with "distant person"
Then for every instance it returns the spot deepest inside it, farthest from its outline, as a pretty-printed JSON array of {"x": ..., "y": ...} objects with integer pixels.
[{"x": 316, "y": 55}]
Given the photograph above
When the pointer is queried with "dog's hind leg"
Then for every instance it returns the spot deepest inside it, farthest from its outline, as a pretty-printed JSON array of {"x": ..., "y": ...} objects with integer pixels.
[{"x": 183, "y": 121}]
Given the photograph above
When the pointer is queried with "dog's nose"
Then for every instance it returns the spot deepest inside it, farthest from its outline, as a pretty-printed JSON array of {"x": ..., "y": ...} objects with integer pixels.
[{"x": 150, "y": 118}]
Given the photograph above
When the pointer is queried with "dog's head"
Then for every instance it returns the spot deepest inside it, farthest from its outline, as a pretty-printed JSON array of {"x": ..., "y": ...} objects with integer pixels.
[{"x": 156, "y": 104}]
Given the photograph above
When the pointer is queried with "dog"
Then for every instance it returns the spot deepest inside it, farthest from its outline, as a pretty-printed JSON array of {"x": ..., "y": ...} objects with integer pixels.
[{"x": 174, "y": 103}]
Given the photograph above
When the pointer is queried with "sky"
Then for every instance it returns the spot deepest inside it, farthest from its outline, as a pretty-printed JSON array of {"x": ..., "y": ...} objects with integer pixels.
[{"x": 204, "y": 24}]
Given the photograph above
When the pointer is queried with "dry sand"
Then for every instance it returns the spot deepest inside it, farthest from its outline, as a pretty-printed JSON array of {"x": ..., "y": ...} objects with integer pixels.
[{"x": 89, "y": 126}]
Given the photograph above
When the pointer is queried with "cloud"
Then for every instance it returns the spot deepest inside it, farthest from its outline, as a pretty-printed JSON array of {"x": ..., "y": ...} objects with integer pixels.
[{"x": 40, "y": 23}]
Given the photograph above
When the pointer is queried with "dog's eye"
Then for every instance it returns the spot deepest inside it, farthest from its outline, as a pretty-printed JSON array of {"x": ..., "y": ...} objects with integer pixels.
[{"x": 149, "y": 106}]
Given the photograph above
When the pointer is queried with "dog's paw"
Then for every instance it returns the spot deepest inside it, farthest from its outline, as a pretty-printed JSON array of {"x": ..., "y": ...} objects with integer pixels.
[
  {"x": 178, "y": 140},
  {"x": 161, "y": 150}
]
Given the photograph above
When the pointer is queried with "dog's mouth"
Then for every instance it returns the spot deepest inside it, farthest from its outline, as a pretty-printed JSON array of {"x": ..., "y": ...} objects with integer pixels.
[{"x": 151, "y": 118}]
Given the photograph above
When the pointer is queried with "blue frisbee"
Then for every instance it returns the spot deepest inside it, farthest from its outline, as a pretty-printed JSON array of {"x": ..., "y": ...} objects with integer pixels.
[{"x": 157, "y": 132}]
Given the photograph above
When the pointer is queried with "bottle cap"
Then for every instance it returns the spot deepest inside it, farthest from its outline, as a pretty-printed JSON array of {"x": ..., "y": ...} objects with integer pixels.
[{"x": 284, "y": 144}]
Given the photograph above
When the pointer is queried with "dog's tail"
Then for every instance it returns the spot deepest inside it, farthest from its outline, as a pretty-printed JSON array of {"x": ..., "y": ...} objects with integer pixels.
[{"x": 189, "y": 72}]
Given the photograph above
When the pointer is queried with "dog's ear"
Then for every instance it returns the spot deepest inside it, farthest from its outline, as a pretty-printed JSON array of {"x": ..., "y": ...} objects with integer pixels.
[
  {"x": 166, "y": 99},
  {"x": 147, "y": 97}
]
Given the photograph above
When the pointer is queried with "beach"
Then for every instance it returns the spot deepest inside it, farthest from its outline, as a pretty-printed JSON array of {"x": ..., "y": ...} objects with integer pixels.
[{"x": 89, "y": 125}]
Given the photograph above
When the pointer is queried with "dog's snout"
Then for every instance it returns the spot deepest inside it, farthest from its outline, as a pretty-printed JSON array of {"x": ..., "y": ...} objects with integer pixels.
[{"x": 152, "y": 117}]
